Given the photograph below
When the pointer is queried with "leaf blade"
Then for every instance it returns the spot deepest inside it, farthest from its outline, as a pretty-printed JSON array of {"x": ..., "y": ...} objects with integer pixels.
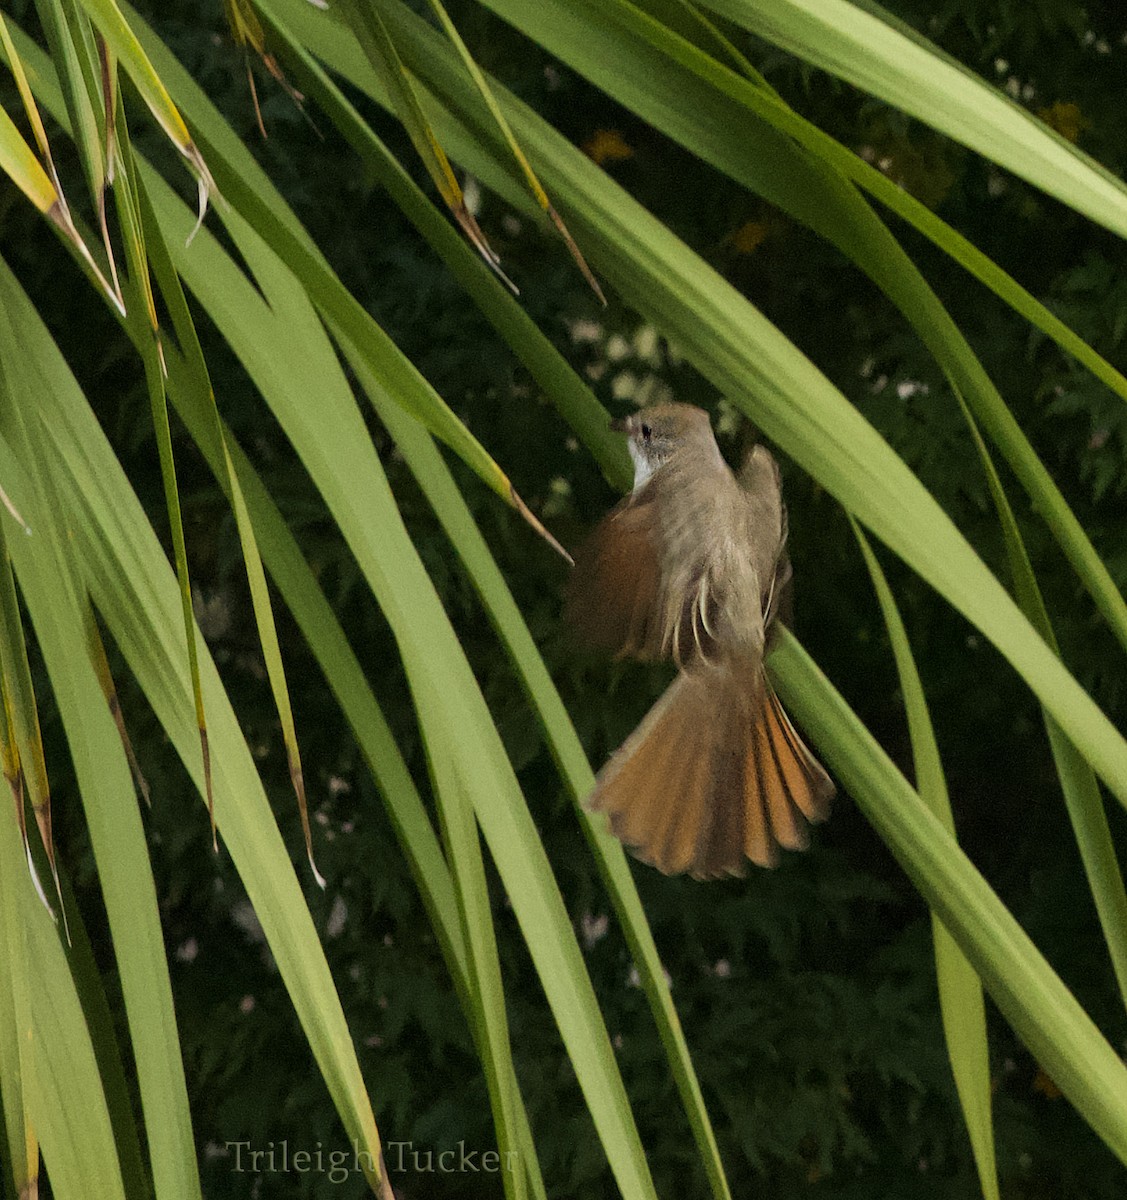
[
  {"x": 960, "y": 992},
  {"x": 852, "y": 41},
  {"x": 1043, "y": 1012},
  {"x": 135, "y": 590}
]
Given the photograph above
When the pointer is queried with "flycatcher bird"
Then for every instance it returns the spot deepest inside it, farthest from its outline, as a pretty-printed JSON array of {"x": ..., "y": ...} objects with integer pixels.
[{"x": 692, "y": 566}]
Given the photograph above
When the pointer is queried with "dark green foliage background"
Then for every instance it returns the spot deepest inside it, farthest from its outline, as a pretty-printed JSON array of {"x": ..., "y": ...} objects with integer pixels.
[{"x": 808, "y": 993}]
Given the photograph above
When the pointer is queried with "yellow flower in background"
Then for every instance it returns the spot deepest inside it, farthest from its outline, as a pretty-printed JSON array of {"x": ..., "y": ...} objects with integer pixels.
[
  {"x": 607, "y": 145},
  {"x": 1066, "y": 118},
  {"x": 749, "y": 237}
]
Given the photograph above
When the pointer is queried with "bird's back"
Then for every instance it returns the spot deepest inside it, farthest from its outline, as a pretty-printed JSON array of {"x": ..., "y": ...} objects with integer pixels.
[{"x": 719, "y": 544}]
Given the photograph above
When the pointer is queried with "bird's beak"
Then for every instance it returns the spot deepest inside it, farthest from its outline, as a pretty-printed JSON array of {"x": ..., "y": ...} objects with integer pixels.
[{"x": 619, "y": 425}]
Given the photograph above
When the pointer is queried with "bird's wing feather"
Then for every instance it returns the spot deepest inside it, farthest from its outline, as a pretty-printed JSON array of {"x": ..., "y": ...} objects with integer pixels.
[
  {"x": 761, "y": 482},
  {"x": 659, "y": 579},
  {"x": 613, "y": 592}
]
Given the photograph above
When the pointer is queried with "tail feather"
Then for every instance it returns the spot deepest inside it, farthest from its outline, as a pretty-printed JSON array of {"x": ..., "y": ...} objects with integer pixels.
[
  {"x": 685, "y": 799},
  {"x": 639, "y": 777},
  {"x": 788, "y": 779},
  {"x": 635, "y": 788},
  {"x": 714, "y": 775},
  {"x": 806, "y": 778},
  {"x": 760, "y": 845},
  {"x": 720, "y": 842}
]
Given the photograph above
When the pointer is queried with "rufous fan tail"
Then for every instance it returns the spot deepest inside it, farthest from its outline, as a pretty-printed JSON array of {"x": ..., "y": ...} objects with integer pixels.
[{"x": 714, "y": 776}]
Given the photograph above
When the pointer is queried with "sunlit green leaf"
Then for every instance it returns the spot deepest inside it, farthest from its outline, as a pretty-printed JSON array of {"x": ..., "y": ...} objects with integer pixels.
[{"x": 878, "y": 57}]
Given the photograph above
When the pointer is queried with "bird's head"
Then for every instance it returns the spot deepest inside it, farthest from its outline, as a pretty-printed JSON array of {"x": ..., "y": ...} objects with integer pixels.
[{"x": 658, "y": 434}]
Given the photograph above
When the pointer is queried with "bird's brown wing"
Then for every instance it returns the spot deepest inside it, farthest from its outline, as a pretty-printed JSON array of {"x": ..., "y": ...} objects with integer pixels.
[
  {"x": 612, "y": 595},
  {"x": 761, "y": 481},
  {"x": 778, "y": 602},
  {"x": 639, "y": 590}
]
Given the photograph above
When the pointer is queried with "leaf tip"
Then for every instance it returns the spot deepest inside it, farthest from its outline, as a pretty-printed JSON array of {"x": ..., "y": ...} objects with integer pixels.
[
  {"x": 577, "y": 255},
  {"x": 298, "y": 781},
  {"x": 533, "y": 520}
]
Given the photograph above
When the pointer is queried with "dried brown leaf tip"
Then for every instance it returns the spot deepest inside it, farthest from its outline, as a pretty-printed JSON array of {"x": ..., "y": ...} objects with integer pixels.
[
  {"x": 298, "y": 781},
  {"x": 480, "y": 243},
  {"x": 577, "y": 255},
  {"x": 247, "y": 32},
  {"x": 535, "y": 522},
  {"x": 278, "y": 75},
  {"x": 59, "y": 216}
]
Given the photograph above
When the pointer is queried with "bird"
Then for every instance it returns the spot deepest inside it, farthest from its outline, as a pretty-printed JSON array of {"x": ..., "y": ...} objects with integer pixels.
[{"x": 692, "y": 566}]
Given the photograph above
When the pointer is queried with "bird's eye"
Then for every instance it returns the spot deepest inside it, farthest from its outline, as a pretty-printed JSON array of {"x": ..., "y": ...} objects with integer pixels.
[{"x": 647, "y": 432}]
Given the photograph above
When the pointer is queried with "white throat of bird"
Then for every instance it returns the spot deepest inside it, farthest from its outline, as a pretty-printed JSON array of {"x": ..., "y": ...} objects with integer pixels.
[{"x": 644, "y": 466}]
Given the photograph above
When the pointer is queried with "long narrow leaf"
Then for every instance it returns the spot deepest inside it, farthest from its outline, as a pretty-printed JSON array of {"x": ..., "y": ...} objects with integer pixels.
[
  {"x": 960, "y": 992},
  {"x": 90, "y": 987},
  {"x": 684, "y": 18},
  {"x": 62, "y": 1093},
  {"x": 87, "y": 79},
  {"x": 27, "y": 98},
  {"x": 56, "y": 605},
  {"x": 80, "y": 87},
  {"x": 536, "y": 187},
  {"x": 463, "y": 851},
  {"x": 18, "y": 162},
  {"x": 15, "y": 1015},
  {"x": 169, "y": 283},
  {"x": 96, "y": 652},
  {"x": 366, "y": 19},
  {"x": 879, "y": 58},
  {"x": 141, "y": 310},
  {"x": 1042, "y": 1011},
  {"x": 21, "y": 712},
  {"x": 433, "y": 476},
  {"x": 1078, "y": 784},
  {"x": 367, "y": 24},
  {"x": 136, "y": 593}
]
